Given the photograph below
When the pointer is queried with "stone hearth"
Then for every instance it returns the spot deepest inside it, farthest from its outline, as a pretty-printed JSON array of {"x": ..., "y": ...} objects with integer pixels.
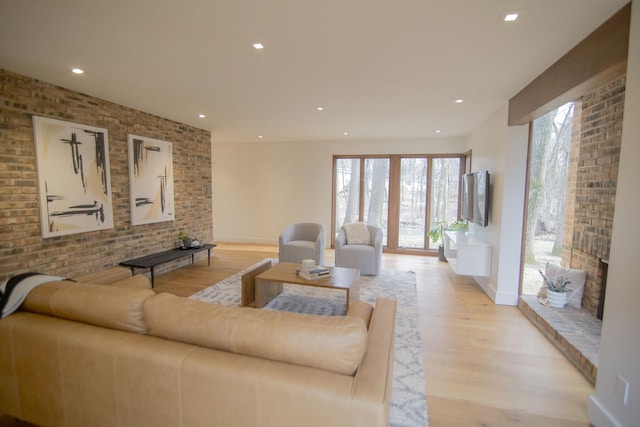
[{"x": 576, "y": 333}]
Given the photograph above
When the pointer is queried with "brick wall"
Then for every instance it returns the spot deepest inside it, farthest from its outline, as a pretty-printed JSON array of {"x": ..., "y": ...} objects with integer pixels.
[
  {"x": 572, "y": 179},
  {"x": 596, "y": 173},
  {"x": 22, "y": 247}
]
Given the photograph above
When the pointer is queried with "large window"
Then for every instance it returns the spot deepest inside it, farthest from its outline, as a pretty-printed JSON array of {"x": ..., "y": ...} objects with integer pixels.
[
  {"x": 413, "y": 202},
  {"x": 347, "y": 190},
  {"x": 376, "y": 193},
  {"x": 362, "y": 197},
  {"x": 445, "y": 191},
  {"x": 546, "y": 200},
  {"x": 403, "y": 195}
]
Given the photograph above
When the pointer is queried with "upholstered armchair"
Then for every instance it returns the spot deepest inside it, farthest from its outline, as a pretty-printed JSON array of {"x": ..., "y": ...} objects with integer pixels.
[
  {"x": 303, "y": 241},
  {"x": 359, "y": 246}
]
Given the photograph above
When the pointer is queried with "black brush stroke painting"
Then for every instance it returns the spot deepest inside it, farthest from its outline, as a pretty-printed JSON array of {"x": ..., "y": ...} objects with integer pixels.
[
  {"x": 74, "y": 199},
  {"x": 151, "y": 180}
]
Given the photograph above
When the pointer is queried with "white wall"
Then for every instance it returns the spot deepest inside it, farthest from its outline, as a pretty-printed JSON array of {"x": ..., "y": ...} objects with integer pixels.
[
  {"x": 620, "y": 342},
  {"x": 503, "y": 152},
  {"x": 512, "y": 218},
  {"x": 260, "y": 188}
]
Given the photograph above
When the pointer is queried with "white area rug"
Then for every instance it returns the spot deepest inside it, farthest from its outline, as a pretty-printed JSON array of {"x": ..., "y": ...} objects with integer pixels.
[{"x": 408, "y": 401}]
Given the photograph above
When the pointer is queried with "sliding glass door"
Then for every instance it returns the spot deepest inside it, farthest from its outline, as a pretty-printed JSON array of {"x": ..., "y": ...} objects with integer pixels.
[
  {"x": 347, "y": 191},
  {"x": 445, "y": 192},
  {"x": 376, "y": 194},
  {"x": 403, "y": 195},
  {"x": 413, "y": 203},
  {"x": 362, "y": 196}
]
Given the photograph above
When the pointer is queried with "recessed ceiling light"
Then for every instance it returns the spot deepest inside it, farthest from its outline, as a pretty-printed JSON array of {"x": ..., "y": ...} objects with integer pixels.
[
  {"x": 459, "y": 101},
  {"x": 437, "y": 131},
  {"x": 510, "y": 17},
  {"x": 258, "y": 46},
  {"x": 260, "y": 136},
  {"x": 202, "y": 116},
  {"x": 320, "y": 108},
  {"x": 345, "y": 133},
  {"x": 77, "y": 71}
]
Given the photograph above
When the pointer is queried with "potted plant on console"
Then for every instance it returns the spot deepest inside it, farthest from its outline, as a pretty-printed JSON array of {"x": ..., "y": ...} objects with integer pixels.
[
  {"x": 184, "y": 237},
  {"x": 437, "y": 234}
]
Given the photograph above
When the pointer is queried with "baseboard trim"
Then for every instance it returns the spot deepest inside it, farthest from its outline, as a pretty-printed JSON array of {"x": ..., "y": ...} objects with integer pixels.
[
  {"x": 598, "y": 415},
  {"x": 506, "y": 299},
  {"x": 499, "y": 298},
  {"x": 486, "y": 287},
  {"x": 246, "y": 240}
]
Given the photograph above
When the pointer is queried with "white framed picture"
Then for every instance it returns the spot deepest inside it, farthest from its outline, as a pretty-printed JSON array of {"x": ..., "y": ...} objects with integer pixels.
[
  {"x": 74, "y": 183},
  {"x": 150, "y": 180}
]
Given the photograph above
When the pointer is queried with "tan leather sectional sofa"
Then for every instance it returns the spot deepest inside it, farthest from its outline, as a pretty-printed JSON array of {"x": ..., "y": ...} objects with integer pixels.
[{"x": 81, "y": 354}]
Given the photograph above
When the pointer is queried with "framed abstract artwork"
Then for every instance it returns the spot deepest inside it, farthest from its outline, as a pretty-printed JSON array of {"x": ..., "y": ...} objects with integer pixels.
[
  {"x": 74, "y": 183},
  {"x": 150, "y": 180}
]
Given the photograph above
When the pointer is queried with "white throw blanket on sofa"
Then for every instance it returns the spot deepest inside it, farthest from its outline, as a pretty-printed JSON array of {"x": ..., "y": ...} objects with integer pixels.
[{"x": 15, "y": 290}]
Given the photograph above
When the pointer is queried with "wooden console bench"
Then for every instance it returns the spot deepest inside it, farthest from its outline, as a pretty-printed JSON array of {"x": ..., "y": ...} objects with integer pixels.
[{"x": 153, "y": 260}]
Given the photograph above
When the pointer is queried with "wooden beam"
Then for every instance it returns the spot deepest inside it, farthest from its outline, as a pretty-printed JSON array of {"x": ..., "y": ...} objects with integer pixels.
[{"x": 599, "y": 58}]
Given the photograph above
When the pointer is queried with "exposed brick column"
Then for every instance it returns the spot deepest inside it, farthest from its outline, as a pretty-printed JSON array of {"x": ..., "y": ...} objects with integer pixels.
[
  {"x": 572, "y": 178},
  {"x": 596, "y": 181}
]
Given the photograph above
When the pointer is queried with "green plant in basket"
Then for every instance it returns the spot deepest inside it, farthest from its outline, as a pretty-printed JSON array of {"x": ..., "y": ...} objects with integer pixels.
[{"x": 185, "y": 239}]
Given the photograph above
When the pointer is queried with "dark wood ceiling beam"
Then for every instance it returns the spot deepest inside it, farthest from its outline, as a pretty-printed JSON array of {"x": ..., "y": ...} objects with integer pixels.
[{"x": 599, "y": 58}]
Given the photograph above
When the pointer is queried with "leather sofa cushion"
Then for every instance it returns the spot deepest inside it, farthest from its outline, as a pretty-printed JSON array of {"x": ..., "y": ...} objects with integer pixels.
[
  {"x": 332, "y": 343},
  {"x": 361, "y": 310},
  {"x": 106, "y": 306}
]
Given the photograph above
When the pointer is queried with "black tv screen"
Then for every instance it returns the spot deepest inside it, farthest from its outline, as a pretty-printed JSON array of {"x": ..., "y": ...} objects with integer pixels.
[
  {"x": 467, "y": 197},
  {"x": 481, "y": 198}
]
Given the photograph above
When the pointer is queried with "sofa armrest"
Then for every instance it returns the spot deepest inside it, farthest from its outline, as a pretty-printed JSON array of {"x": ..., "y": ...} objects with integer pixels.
[
  {"x": 341, "y": 239},
  {"x": 375, "y": 375},
  {"x": 286, "y": 235},
  {"x": 376, "y": 238},
  {"x": 376, "y": 241}
]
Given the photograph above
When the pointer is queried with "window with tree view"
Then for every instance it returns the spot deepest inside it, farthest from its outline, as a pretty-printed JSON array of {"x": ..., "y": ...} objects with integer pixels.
[
  {"x": 403, "y": 195},
  {"x": 446, "y": 177},
  {"x": 548, "y": 179}
]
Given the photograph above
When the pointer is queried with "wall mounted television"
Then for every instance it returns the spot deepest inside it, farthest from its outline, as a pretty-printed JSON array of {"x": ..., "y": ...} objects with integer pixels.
[
  {"x": 467, "y": 197},
  {"x": 475, "y": 198}
]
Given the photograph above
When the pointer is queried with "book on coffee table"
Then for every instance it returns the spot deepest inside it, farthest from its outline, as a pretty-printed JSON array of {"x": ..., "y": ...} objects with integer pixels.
[{"x": 318, "y": 272}]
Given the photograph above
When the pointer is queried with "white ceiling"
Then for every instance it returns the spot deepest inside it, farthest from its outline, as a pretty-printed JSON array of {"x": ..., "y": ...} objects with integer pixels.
[{"x": 380, "y": 68}]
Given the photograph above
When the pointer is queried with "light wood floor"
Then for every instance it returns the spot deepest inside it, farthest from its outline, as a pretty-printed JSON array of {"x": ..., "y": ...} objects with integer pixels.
[{"x": 485, "y": 365}]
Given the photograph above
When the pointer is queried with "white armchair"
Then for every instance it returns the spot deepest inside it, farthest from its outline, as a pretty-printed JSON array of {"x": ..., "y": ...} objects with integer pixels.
[
  {"x": 359, "y": 253},
  {"x": 302, "y": 241}
]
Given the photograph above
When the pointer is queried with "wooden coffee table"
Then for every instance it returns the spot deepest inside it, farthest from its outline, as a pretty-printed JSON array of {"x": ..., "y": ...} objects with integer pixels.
[{"x": 268, "y": 285}]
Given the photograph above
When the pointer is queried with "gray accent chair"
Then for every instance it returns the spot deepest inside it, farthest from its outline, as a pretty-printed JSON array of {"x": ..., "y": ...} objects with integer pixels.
[
  {"x": 366, "y": 258},
  {"x": 305, "y": 240}
]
